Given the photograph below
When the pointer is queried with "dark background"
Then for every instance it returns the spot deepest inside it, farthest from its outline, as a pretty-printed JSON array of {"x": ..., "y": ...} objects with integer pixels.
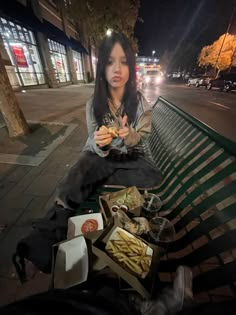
[{"x": 170, "y": 24}]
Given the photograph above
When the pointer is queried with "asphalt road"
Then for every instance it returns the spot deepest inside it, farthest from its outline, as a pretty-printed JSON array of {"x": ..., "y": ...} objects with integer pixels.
[{"x": 214, "y": 108}]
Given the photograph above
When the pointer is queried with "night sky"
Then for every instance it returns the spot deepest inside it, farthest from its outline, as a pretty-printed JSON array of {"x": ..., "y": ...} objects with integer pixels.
[{"x": 168, "y": 23}]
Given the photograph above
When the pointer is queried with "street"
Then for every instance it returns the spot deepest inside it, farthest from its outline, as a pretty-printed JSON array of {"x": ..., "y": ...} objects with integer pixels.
[{"x": 214, "y": 108}]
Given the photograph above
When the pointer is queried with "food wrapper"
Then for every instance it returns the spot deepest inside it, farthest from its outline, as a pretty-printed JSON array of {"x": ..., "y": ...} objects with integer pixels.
[
  {"x": 129, "y": 197},
  {"x": 130, "y": 252},
  {"x": 137, "y": 225}
]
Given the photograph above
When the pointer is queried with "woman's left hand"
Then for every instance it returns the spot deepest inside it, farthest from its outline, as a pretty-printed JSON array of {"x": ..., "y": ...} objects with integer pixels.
[{"x": 124, "y": 131}]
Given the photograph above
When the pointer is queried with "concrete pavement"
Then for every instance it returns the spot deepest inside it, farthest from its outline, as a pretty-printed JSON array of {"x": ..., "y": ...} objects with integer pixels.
[{"x": 27, "y": 191}]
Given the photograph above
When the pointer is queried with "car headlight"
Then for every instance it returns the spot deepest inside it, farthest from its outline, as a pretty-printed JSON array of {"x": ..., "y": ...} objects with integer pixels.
[{"x": 158, "y": 79}]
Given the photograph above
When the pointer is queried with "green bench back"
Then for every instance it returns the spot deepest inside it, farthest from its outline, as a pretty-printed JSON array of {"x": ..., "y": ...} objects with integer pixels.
[{"x": 199, "y": 192}]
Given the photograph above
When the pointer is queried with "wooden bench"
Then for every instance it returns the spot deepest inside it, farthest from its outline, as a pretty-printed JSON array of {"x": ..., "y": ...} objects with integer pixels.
[{"x": 199, "y": 194}]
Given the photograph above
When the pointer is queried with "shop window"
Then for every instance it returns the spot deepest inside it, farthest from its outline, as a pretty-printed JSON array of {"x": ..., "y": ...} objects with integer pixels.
[
  {"x": 21, "y": 47},
  {"x": 78, "y": 64},
  {"x": 59, "y": 61}
]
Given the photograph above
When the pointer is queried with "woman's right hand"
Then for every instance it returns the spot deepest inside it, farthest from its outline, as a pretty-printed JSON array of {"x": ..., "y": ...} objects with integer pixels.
[{"x": 102, "y": 138}]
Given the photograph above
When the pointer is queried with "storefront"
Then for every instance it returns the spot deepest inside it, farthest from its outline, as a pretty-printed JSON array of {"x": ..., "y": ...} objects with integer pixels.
[
  {"x": 59, "y": 61},
  {"x": 21, "y": 47},
  {"x": 78, "y": 64}
]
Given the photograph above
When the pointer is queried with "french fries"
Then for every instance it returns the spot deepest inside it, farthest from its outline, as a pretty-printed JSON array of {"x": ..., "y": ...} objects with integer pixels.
[{"x": 130, "y": 252}]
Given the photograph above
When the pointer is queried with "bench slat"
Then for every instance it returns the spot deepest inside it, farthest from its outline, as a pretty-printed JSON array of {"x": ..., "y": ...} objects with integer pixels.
[{"x": 220, "y": 218}]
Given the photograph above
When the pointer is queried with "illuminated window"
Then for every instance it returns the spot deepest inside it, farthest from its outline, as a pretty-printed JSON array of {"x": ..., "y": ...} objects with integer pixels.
[
  {"x": 59, "y": 61},
  {"x": 21, "y": 47},
  {"x": 78, "y": 64}
]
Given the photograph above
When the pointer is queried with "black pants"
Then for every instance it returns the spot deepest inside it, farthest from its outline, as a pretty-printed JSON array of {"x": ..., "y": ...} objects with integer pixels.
[{"x": 92, "y": 170}]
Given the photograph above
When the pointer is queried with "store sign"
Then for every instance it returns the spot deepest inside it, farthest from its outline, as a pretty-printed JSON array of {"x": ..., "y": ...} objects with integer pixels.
[
  {"x": 76, "y": 65},
  {"x": 59, "y": 65},
  {"x": 19, "y": 56}
]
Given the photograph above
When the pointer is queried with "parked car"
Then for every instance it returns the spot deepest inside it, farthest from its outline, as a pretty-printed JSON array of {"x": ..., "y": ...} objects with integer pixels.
[
  {"x": 192, "y": 81},
  {"x": 225, "y": 82},
  {"x": 203, "y": 81},
  {"x": 231, "y": 84},
  {"x": 199, "y": 81}
]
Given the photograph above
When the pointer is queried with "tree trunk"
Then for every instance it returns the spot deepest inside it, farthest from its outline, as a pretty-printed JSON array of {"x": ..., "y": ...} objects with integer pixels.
[
  {"x": 90, "y": 60},
  {"x": 9, "y": 106}
]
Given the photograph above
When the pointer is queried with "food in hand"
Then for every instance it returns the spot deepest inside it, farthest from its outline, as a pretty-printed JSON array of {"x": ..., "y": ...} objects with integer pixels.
[
  {"x": 130, "y": 252},
  {"x": 113, "y": 131}
]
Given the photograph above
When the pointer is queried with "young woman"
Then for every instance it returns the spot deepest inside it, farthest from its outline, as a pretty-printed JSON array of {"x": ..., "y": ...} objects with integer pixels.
[{"x": 118, "y": 121}]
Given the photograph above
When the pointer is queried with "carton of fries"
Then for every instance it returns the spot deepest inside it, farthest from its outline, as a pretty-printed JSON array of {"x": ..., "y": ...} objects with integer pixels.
[
  {"x": 115, "y": 251},
  {"x": 130, "y": 252},
  {"x": 129, "y": 197}
]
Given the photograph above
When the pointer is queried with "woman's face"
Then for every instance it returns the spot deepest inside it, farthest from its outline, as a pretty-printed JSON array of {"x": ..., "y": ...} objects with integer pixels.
[{"x": 117, "y": 70}]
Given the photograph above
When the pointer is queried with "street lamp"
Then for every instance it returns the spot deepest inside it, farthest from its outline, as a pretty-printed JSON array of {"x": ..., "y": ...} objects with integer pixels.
[
  {"x": 153, "y": 52},
  {"x": 108, "y": 32}
]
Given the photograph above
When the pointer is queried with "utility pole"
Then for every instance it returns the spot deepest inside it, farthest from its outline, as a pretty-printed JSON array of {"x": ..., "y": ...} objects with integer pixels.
[{"x": 227, "y": 31}]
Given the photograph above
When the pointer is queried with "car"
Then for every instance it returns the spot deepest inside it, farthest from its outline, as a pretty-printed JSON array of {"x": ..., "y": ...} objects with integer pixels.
[
  {"x": 199, "y": 81},
  {"x": 151, "y": 77},
  {"x": 225, "y": 82},
  {"x": 192, "y": 81},
  {"x": 203, "y": 81},
  {"x": 230, "y": 85}
]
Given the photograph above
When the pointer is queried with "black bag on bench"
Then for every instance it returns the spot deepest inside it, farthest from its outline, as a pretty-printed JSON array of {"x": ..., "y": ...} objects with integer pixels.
[{"x": 37, "y": 246}]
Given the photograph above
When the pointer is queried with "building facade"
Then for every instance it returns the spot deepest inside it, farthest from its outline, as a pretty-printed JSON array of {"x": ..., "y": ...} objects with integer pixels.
[{"x": 42, "y": 45}]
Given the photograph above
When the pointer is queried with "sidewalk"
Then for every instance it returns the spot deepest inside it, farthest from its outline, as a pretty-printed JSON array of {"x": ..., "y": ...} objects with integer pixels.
[{"x": 39, "y": 162}]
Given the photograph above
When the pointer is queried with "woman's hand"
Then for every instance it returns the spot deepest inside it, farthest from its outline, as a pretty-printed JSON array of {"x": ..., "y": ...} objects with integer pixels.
[
  {"x": 102, "y": 138},
  {"x": 124, "y": 131}
]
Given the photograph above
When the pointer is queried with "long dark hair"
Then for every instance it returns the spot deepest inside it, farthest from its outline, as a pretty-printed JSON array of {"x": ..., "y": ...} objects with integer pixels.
[{"x": 101, "y": 93}]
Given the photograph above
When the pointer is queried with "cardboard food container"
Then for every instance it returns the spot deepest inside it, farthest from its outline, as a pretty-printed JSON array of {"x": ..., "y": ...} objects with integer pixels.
[
  {"x": 72, "y": 260},
  {"x": 82, "y": 224},
  {"x": 130, "y": 197},
  {"x": 130, "y": 252},
  {"x": 145, "y": 287},
  {"x": 70, "y": 263}
]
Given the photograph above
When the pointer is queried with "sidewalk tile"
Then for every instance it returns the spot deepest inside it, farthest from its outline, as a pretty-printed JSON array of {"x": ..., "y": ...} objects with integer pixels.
[
  {"x": 36, "y": 209},
  {"x": 14, "y": 201},
  {"x": 8, "y": 289},
  {"x": 9, "y": 216},
  {"x": 8, "y": 247},
  {"x": 5, "y": 187},
  {"x": 40, "y": 283},
  {"x": 43, "y": 185}
]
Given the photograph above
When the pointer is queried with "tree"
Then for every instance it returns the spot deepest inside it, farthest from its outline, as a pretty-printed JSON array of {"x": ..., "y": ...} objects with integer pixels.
[
  {"x": 9, "y": 105},
  {"x": 94, "y": 17},
  {"x": 184, "y": 57},
  {"x": 221, "y": 55}
]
